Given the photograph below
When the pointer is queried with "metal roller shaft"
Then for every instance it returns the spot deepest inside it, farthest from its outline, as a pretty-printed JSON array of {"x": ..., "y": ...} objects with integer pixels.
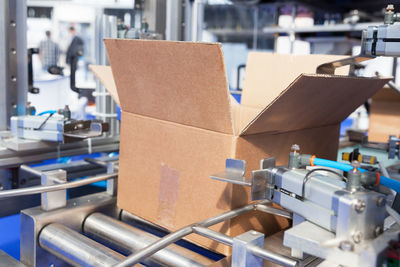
[
  {"x": 76, "y": 249},
  {"x": 128, "y": 239}
]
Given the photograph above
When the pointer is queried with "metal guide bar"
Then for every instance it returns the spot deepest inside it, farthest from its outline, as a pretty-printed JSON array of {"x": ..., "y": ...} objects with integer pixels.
[
  {"x": 42, "y": 189},
  {"x": 201, "y": 228}
]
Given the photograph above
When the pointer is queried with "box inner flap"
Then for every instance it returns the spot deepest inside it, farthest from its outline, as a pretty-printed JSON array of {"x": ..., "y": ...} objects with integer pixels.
[
  {"x": 387, "y": 94},
  {"x": 104, "y": 74},
  {"x": 314, "y": 101},
  {"x": 180, "y": 82},
  {"x": 267, "y": 74}
]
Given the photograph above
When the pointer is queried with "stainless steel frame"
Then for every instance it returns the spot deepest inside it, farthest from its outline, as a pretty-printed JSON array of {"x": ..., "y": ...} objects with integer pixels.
[
  {"x": 39, "y": 228},
  {"x": 13, "y": 59},
  {"x": 105, "y": 27}
]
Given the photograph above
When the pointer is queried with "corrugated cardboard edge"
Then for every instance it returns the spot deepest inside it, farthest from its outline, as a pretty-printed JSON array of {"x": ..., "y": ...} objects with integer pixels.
[
  {"x": 270, "y": 73},
  {"x": 106, "y": 78},
  {"x": 140, "y": 82},
  {"x": 243, "y": 132}
]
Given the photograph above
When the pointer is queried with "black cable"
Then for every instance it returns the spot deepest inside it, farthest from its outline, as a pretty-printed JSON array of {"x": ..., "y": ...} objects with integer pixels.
[
  {"x": 307, "y": 177},
  {"x": 43, "y": 123}
]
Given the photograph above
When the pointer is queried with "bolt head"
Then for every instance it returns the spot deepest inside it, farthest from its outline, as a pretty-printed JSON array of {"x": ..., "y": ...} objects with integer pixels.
[
  {"x": 359, "y": 206},
  {"x": 294, "y": 149},
  {"x": 253, "y": 232},
  {"x": 381, "y": 201},
  {"x": 390, "y": 8},
  {"x": 346, "y": 245},
  {"x": 378, "y": 231},
  {"x": 357, "y": 237}
]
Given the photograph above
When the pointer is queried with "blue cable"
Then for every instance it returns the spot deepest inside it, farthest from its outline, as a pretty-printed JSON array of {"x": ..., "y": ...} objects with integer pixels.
[
  {"x": 391, "y": 183},
  {"x": 47, "y": 112}
]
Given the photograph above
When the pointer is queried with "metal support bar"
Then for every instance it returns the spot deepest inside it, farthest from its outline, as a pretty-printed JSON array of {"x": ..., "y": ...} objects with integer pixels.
[
  {"x": 257, "y": 250},
  {"x": 56, "y": 199},
  {"x": 175, "y": 236},
  {"x": 75, "y": 248},
  {"x": 30, "y": 170},
  {"x": 275, "y": 211},
  {"x": 216, "y": 236},
  {"x": 127, "y": 239},
  {"x": 42, "y": 189}
]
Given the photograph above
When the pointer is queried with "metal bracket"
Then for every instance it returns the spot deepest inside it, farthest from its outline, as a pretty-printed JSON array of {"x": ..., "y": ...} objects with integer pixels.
[
  {"x": 241, "y": 255},
  {"x": 262, "y": 184},
  {"x": 56, "y": 199},
  {"x": 262, "y": 181},
  {"x": 112, "y": 184},
  {"x": 330, "y": 67},
  {"x": 234, "y": 173}
]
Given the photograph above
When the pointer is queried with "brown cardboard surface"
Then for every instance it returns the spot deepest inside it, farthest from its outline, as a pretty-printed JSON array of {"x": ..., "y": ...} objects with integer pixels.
[
  {"x": 164, "y": 171},
  {"x": 104, "y": 74},
  {"x": 268, "y": 74},
  {"x": 166, "y": 80},
  {"x": 313, "y": 101},
  {"x": 384, "y": 116},
  {"x": 168, "y": 181},
  {"x": 176, "y": 131}
]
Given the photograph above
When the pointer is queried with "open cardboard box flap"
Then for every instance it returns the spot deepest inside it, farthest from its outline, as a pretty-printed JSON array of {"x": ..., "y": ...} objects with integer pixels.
[
  {"x": 104, "y": 74},
  {"x": 186, "y": 83},
  {"x": 178, "y": 82}
]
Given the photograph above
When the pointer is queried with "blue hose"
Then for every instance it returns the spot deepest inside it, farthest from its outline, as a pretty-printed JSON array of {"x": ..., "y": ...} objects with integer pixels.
[
  {"x": 47, "y": 112},
  {"x": 391, "y": 183}
]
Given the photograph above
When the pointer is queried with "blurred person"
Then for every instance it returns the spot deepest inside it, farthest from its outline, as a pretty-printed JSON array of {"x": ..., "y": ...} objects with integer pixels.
[
  {"x": 75, "y": 45},
  {"x": 49, "y": 52}
]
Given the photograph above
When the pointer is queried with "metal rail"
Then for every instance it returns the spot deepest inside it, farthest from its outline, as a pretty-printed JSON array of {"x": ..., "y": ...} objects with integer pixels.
[
  {"x": 256, "y": 250},
  {"x": 199, "y": 228},
  {"x": 279, "y": 212},
  {"x": 30, "y": 170},
  {"x": 42, "y": 189}
]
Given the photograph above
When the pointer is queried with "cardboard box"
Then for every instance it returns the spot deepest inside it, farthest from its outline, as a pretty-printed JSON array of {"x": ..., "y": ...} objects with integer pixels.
[
  {"x": 179, "y": 124},
  {"x": 384, "y": 119}
]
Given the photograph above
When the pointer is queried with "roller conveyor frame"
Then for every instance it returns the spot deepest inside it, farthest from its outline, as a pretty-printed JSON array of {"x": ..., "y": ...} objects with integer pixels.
[{"x": 52, "y": 236}]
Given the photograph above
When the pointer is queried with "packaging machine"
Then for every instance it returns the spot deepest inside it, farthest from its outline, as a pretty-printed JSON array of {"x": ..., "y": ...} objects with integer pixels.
[
  {"x": 342, "y": 214},
  {"x": 338, "y": 219}
]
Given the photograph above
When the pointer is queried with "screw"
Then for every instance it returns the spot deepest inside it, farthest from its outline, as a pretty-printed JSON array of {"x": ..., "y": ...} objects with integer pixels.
[
  {"x": 253, "y": 232},
  {"x": 295, "y": 148},
  {"x": 357, "y": 236},
  {"x": 360, "y": 206},
  {"x": 378, "y": 231},
  {"x": 381, "y": 201},
  {"x": 1, "y": 187},
  {"x": 13, "y": 51},
  {"x": 346, "y": 245},
  {"x": 390, "y": 8},
  {"x": 13, "y": 23},
  {"x": 13, "y": 78}
]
